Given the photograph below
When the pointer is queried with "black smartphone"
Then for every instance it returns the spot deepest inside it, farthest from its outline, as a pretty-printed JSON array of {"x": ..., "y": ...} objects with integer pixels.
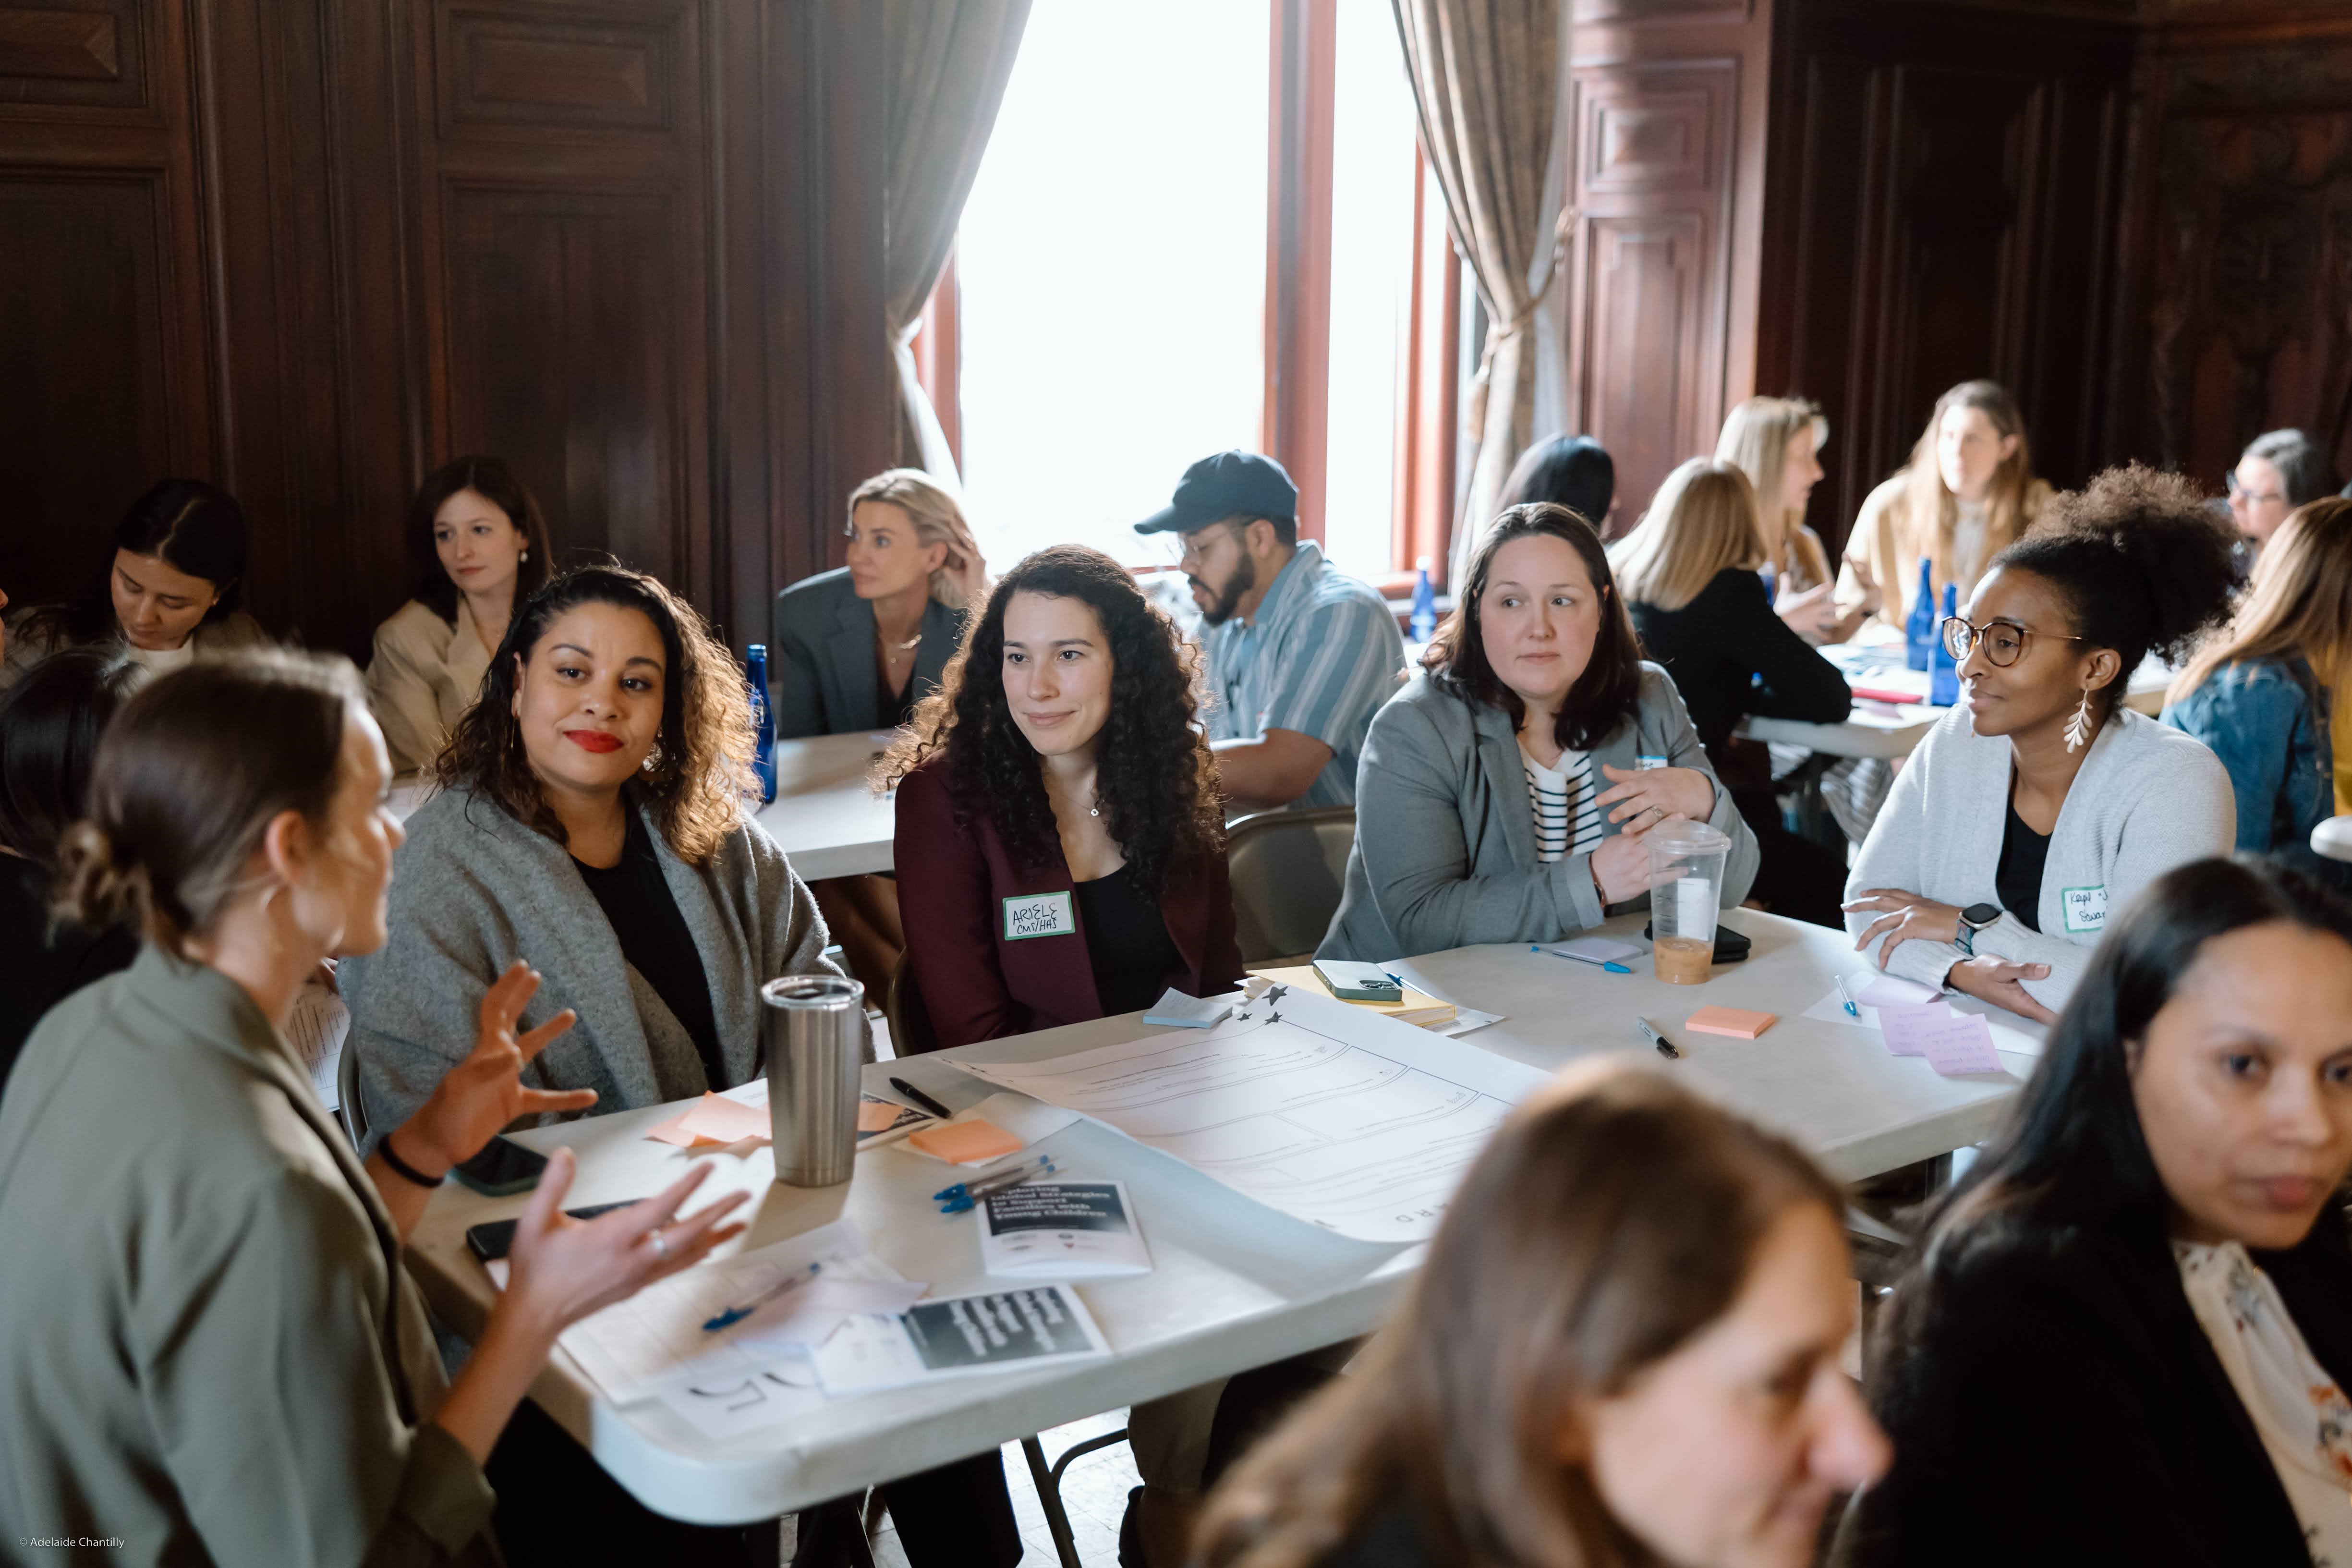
[
  {"x": 502, "y": 1168},
  {"x": 493, "y": 1240},
  {"x": 1730, "y": 946}
]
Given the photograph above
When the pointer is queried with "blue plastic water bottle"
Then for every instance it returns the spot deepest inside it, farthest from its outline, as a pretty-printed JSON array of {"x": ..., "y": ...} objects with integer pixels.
[
  {"x": 1944, "y": 672},
  {"x": 1919, "y": 631},
  {"x": 755, "y": 676},
  {"x": 1424, "y": 605}
]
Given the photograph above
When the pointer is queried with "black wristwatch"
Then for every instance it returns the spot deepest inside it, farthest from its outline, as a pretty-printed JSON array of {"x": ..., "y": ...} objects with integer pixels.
[{"x": 1974, "y": 919}]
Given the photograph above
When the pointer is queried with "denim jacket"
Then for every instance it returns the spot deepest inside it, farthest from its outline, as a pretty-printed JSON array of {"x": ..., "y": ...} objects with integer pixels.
[{"x": 2267, "y": 720}]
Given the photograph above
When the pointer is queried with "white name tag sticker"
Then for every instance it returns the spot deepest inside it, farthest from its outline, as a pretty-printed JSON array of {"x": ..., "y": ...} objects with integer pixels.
[
  {"x": 1039, "y": 914},
  {"x": 2086, "y": 908}
]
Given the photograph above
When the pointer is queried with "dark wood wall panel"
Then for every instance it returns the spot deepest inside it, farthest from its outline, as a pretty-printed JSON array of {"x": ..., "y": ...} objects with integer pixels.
[
  {"x": 2245, "y": 249},
  {"x": 312, "y": 248},
  {"x": 569, "y": 318},
  {"x": 1942, "y": 206}
]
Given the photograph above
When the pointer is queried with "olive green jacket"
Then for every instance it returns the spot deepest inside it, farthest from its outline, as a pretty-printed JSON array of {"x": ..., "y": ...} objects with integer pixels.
[{"x": 209, "y": 1352}]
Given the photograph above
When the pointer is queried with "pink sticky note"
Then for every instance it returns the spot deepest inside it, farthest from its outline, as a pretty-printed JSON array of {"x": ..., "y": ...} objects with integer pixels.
[
  {"x": 965, "y": 1143},
  {"x": 876, "y": 1116},
  {"x": 1903, "y": 1026},
  {"x": 1961, "y": 1044},
  {"x": 1738, "y": 1022},
  {"x": 724, "y": 1121},
  {"x": 1888, "y": 992}
]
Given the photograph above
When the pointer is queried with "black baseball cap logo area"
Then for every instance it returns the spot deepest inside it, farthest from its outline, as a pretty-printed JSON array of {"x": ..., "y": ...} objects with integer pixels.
[{"x": 1231, "y": 484}]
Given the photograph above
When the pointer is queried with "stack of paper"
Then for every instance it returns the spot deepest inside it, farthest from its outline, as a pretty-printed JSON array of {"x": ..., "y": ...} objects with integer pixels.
[{"x": 1418, "y": 1008}]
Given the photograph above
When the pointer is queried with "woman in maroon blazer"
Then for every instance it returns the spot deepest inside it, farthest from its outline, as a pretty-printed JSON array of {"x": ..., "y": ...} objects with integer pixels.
[{"x": 1061, "y": 844}]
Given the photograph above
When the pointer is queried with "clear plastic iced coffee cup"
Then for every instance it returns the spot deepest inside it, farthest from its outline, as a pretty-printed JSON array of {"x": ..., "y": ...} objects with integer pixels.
[{"x": 1687, "y": 861}]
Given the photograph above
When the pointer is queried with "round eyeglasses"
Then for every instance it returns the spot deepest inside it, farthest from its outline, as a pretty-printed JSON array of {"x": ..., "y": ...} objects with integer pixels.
[{"x": 2004, "y": 644}]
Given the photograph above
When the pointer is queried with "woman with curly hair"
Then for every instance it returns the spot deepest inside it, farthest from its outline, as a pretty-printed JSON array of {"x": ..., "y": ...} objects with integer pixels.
[
  {"x": 1060, "y": 847},
  {"x": 2040, "y": 802}
]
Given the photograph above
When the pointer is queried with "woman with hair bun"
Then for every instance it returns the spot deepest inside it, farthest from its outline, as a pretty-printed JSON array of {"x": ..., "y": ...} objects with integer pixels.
[
  {"x": 168, "y": 590},
  {"x": 2041, "y": 803},
  {"x": 215, "y": 1353},
  {"x": 1059, "y": 769}
]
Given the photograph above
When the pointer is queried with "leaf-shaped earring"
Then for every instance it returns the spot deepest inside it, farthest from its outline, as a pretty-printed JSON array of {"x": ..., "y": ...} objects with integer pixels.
[{"x": 2078, "y": 727}]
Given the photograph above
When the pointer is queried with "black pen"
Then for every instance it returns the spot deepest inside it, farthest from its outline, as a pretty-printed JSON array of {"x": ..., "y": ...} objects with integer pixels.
[
  {"x": 1665, "y": 1047},
  {"x": 925, "y": 1100}
]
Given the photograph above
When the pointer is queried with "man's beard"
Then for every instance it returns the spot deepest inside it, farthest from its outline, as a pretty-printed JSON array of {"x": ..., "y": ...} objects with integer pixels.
[{"x": 1244, "y": 579}]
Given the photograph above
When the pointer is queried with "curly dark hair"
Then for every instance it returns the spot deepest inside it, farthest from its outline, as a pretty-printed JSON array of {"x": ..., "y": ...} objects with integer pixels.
[
  {"x": 1609, "y": 692},
  {"x": 2142, "y": 562},
  {"x": 1155, "y": 775},
  {"x": 701, "y": 767}
]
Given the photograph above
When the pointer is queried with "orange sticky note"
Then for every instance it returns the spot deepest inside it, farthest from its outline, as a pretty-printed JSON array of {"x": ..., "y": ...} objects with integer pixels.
[
  {"x": 673, "y": 1133},
  {"x": 965, "y": 1143},
  {"x": 875, "y": 1116},
  {"x": 725, "y": 1121},
  {"x": 1737, "y": 1022}
]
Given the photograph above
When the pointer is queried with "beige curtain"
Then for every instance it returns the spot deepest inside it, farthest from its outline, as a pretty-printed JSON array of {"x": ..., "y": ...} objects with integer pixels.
[
  {"x": 1487, "y": 76},
  {"x": 950, "y": 60}
]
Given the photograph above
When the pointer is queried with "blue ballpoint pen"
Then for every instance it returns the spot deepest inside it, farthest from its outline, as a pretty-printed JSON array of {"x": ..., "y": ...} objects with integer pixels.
[
  {"x": 1579, "y": 958},
  {"x": 1845, "y": 1000},
  {"x": 1041, "y": 1166},
  {"x": 734, "y": 1315}
]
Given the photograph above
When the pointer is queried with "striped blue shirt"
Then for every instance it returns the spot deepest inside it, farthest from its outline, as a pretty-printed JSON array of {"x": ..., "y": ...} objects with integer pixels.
[{"x": 1320, "y": 656}]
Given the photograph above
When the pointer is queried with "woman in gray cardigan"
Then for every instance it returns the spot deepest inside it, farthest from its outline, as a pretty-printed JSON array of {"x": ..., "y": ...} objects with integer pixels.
[
  {"x": 2041, "y": 805},
  {"x": 1505, "y": 793},
  {"x": 652, "y": 903}
]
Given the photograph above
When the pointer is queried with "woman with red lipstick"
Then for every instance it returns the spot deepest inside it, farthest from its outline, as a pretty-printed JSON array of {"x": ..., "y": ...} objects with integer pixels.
[
  {"x": 1505, "y": 793},
  {"x": 2041, "y": 803},
  {"x": 2123, "y": 1337},
  {"x": 476, "y": 548},
  {"x": 1061, "y": 839},
  {"x": 591, "y": 815}
]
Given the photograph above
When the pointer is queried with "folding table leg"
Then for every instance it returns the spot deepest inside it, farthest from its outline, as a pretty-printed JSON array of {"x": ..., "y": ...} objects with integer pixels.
[{"x": 1048, "y": 1481}]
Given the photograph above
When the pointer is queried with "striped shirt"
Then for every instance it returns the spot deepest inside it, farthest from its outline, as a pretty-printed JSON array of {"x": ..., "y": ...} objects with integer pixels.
[
  {"x": 1319, "y": 657},
  {"x": 1567, "y": 821}
]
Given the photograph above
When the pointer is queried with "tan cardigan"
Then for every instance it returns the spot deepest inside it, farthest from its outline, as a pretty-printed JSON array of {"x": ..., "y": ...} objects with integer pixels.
[
  {"x": 423, "y": 674},
  {"x": 209, "y": 1349},
  {"x": 1884, "y": 551}
]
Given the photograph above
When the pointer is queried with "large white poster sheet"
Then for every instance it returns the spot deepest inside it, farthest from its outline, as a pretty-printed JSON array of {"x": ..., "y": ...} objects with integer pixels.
[{"x": 1338, "y": 1116}]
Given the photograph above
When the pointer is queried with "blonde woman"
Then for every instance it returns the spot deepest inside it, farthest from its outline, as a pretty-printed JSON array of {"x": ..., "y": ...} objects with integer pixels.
[
  {"x": 2254, "y": 693},
  {"x": 1968, "y": 494},
  {"x": 856, "y": 647},
  {"x": 1776, "y": 443},
  {"x": 1690, "y": 578}
]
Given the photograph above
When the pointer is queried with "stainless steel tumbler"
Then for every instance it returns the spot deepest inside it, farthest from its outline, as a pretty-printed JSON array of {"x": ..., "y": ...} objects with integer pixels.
[{"x": 813, "y": 1026}]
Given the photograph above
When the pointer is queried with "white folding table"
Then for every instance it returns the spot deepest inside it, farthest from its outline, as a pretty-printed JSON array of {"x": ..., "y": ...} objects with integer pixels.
[
  {"x": 1891, "y": 729},
  {"x": 825, "y": 814},
  {"x": 1235, "y": 1284}
]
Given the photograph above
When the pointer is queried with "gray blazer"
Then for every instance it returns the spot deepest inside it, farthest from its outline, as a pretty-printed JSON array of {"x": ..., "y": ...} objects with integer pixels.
[
  {"x": 821, "y": 666},
  {"x": 473, "y": 890},
  {"x": 1445, "y": 838},
  {"x": 208, "y": 1348}
]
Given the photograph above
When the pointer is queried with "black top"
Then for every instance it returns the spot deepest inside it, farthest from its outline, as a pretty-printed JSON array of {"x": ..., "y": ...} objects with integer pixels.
[
  {"x": 2018, "y": 878},
  {"x": 2059, "y": 1402},
  {"x": 1730, "y": 655},
  {"x": 653, "y": 939},
  {"x": 896, "y": 708},
  {"x": 1392, "y": 1538},
  {"x": 39, "y": 970},
  {"x": 1127, "y": 943}
]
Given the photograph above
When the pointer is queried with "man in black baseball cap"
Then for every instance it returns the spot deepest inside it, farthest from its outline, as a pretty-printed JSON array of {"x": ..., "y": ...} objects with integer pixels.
[{"x": 1299, "y": 655}]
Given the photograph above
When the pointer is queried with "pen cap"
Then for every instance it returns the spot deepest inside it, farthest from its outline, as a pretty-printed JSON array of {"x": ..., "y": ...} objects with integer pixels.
[{"x": 812, "y": 1027}]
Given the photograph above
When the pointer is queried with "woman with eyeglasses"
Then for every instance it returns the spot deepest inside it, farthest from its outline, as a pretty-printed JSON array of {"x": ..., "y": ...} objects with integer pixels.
[
  {"x": 2040, "y": 802},
  {"x": 2278, "y": 471}
]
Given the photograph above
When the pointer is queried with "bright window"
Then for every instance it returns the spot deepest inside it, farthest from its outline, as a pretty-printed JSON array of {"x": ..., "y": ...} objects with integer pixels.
[
  {"x": 1372, "y": 174},
  {"x": 1111, "y": 264}
]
